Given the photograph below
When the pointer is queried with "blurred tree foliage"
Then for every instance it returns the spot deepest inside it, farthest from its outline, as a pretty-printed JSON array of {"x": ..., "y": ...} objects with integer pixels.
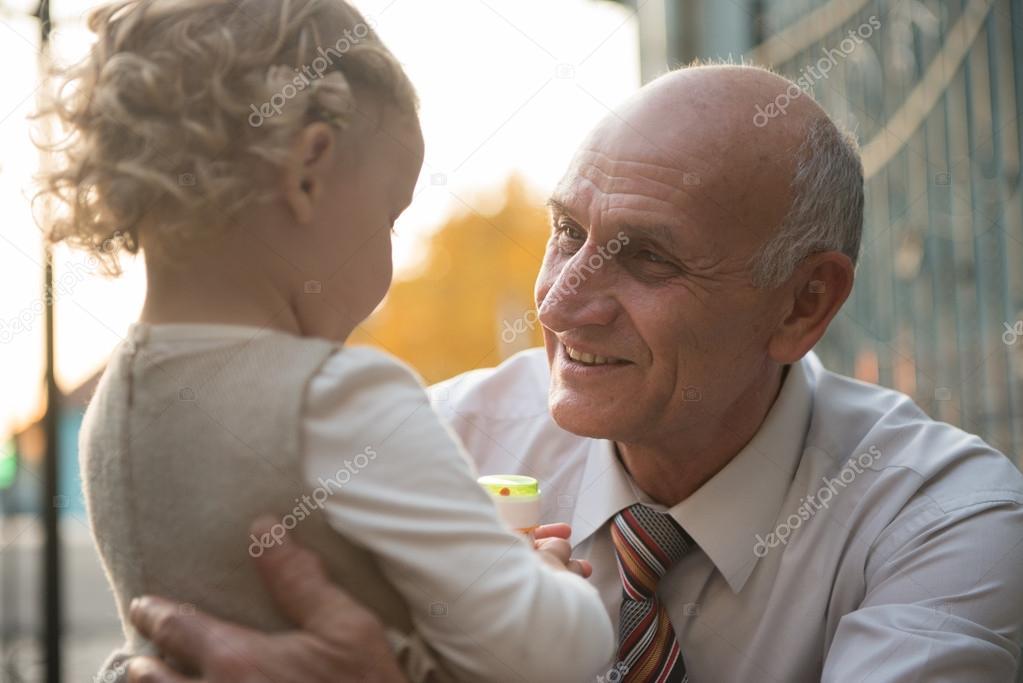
[{"x": 470, "y": 303}]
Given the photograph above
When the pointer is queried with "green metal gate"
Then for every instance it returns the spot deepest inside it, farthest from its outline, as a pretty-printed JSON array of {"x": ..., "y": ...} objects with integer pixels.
[{"x": 934, "y": 93}]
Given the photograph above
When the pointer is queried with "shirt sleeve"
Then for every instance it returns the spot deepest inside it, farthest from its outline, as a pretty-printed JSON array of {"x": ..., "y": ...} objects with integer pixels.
[
  {"x": 482, "y": 599},
  {"x": 942, "y": 601}
]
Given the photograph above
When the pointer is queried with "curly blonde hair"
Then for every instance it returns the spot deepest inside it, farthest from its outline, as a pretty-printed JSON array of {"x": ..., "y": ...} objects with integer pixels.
[{"x": 179, "y": 101}]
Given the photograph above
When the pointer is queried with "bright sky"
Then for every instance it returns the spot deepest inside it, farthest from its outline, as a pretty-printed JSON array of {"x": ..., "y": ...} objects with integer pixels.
[{"x": 506, "y": 86}]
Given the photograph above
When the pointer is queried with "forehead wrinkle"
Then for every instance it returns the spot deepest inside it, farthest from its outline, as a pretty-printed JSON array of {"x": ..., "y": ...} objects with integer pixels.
[
  {"x": 567, "y": 191},
  {"x": 676, "y": 195},
  {"x": 708, "y": 173},
  {"x": 658, "y": 148},
  {"x": 617, "y": 184},
  {"x": 660, "y": 169}
]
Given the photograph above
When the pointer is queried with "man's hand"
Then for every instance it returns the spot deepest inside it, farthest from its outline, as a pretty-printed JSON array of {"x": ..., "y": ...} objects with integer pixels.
[
  {"x": 551, "y": 541},
  {"x": 340, "y": 639}
]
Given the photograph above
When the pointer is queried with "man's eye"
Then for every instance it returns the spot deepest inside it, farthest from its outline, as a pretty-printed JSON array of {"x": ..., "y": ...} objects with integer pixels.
[
  {"x": 570, "y": 233},
  {"x": 650, "y": 257}
]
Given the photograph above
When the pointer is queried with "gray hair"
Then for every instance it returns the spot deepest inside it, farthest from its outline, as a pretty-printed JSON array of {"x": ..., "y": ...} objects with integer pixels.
[{"x": 826, "y": 213}]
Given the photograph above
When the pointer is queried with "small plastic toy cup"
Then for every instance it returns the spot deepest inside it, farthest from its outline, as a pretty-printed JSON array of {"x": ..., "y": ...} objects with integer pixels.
[{"x": 517, "y": 499}]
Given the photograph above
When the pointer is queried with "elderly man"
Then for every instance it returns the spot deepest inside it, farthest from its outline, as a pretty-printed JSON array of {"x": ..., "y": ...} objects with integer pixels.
[{"x": 749, "y": 516}]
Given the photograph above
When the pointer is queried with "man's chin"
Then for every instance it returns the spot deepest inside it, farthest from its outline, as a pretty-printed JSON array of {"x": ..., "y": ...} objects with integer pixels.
[{"x": 584, "y": 422}]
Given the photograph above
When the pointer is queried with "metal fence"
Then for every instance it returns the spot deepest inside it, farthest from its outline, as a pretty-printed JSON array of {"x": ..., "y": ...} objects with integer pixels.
[{"x": 934, "y": 90}]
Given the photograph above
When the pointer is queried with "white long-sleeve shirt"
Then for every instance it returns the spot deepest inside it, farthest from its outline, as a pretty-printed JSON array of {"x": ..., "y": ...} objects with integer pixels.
[
  {"x": 401, "y": 486},
  {"x": 853, "y": 539}
]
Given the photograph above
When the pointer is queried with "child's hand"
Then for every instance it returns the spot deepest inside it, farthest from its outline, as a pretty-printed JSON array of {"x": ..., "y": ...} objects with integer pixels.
[{"x": 552, "y": 544}]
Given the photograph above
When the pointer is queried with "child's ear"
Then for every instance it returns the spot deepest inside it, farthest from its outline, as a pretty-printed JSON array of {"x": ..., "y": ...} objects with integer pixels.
[{"x": 309, "y": 169}]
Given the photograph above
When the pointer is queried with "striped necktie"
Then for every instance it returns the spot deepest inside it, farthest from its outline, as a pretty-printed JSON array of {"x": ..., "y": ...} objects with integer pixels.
[{"x": 647, "y": 544}]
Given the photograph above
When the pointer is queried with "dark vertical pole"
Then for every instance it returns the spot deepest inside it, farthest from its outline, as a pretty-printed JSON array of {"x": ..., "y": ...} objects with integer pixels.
[
  {"x": 52, "y": 616},
  {"x": 8, "y": 589},
  {"x": 51, "y": 547}
]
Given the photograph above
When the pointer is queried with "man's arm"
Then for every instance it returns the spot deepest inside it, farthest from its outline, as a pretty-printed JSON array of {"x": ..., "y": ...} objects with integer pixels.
[
  {"x": 339, "y": 641},
  {"x": 943, "y": 601}
]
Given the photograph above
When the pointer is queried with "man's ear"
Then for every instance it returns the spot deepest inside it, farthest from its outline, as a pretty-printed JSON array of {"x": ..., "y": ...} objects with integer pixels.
[
  {"x": 814, "y": 294},
  {"x": 308, "y": 169}
]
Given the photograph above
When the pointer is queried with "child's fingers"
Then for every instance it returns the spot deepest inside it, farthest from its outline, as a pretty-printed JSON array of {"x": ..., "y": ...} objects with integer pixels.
[
  {"x": 581, "y": 567},
  {"x": 559, "y": 530},
  {"x": 558, "y": 552},
  {"x": 558, "y": 548}
]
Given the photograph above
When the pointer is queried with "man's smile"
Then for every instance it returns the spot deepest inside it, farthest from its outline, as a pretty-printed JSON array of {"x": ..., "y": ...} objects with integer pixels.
[{"x": 589, "y": 357}]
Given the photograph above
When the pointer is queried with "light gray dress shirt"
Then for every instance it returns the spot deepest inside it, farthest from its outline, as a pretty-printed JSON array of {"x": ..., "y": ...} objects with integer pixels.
[{"x": 852, "y": 539}]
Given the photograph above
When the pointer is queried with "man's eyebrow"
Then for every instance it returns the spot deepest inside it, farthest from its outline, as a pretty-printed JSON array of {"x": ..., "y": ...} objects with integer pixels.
[
  {"x": 663, "y": 234},
  {"x": 557, "y": 207},
  {"x": 658, "y": 233}
]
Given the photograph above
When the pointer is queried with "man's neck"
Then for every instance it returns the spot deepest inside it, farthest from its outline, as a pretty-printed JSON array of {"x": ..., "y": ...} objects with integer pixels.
[{"x": 672, "y": 468}]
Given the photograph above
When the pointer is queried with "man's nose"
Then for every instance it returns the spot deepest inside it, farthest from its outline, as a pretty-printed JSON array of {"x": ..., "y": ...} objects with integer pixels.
[{"x": 581, "y": 294}]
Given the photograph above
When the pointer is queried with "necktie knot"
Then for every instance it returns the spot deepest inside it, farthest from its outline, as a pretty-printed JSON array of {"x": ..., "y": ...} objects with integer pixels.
[{"x": 648, "y": 544}]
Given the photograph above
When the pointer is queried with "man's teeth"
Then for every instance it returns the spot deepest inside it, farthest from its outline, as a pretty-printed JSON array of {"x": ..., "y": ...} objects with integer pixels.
[{"x": 589, "y": 358}]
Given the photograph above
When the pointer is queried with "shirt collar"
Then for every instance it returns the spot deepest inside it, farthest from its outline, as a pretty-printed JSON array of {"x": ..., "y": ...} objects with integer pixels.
[{"x": 724, "y": 515}]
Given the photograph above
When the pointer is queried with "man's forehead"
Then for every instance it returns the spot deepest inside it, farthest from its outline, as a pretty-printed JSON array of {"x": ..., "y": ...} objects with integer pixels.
[
  {"x": 628, "y": 156},
  {"x": 655, "y": 191}
]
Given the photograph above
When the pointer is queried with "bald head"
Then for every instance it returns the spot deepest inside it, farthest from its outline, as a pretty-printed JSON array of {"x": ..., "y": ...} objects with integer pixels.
[
  {"x": 732, "y": 95},
  {"x": 745, "y": 168}
]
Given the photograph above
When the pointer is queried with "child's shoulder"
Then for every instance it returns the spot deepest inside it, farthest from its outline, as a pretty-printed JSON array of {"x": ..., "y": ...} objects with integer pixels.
[
  {"x": 364, "y": 396},
  {"x": 368, "y": 370}
]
